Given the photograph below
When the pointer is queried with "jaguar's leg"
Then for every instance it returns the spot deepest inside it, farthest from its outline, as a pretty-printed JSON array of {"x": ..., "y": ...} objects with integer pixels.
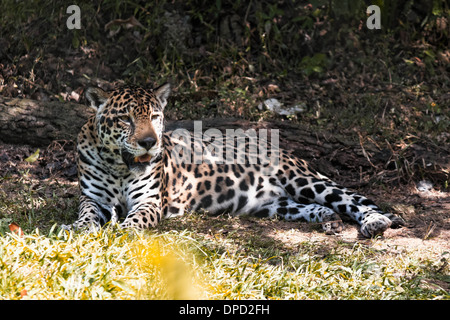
[
  {"x": 143, "y": 216},
  {"x": 372, "y": 219},
  {"x": 90, "y": 216}
]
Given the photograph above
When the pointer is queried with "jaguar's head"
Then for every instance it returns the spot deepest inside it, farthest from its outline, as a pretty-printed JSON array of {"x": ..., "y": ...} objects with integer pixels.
[{"x": 129, "y": 122}]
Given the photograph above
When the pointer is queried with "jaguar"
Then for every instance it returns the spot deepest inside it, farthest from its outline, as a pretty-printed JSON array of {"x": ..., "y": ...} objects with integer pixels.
[{"x": 130, "y": 173}]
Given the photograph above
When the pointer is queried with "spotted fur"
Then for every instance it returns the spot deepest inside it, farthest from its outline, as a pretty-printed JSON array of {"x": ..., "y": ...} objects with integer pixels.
[{"x": 128, "y": 125}]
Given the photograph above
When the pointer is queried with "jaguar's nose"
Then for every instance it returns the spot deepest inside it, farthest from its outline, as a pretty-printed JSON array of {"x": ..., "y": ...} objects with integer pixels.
[{"x": 147, "y": 143}]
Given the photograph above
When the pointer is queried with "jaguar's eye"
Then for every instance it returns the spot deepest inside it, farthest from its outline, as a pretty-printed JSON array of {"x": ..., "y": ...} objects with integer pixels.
[
  {"x": 125, "y": 119},
  {"x": 155, "y": 117}
]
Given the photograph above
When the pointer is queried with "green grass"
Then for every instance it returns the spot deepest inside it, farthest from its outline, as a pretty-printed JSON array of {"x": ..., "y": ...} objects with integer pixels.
[
  {"x": 103, "y": 265},
  {"x": 195, "y": 257},
  {"x": 112, "y": 264}
]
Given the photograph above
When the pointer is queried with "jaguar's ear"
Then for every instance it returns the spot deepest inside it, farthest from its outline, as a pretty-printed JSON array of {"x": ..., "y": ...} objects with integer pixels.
[
  {"x": 96, "y": 97},
  {"x": 162, "y": 93}
]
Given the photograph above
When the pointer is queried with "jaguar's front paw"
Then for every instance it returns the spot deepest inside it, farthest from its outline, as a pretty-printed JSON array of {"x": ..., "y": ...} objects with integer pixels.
[
  {"x": 84, "y": 226},
  {"x": 131, "y": 222},
  {"x": 374, "y": 224},
  {"x": 67, "y": 227}
]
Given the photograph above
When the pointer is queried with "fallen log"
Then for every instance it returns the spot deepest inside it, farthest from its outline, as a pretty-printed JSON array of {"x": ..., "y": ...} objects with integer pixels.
[{"x": 38, "y": 123}]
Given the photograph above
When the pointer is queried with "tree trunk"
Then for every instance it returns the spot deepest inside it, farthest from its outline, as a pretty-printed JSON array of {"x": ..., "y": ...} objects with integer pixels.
[{"x": 38, "y": 123}]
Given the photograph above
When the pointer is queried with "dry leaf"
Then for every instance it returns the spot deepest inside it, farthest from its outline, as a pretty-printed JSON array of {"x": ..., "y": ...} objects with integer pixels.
[
  {"x": 14, "y": 227},
  {"x": 419, "y": 62},
  {"x": 126, "y": 23},
  {"x": 33, "y": 157}
]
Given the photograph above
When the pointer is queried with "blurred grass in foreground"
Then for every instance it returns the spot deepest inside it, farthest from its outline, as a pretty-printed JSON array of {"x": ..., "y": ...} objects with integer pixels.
[{"x": 103, "y": 265}]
